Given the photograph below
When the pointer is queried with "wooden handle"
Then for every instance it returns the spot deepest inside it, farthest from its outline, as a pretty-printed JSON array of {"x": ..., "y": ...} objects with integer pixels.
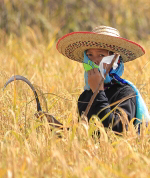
[{"x": 100, "y": 83}]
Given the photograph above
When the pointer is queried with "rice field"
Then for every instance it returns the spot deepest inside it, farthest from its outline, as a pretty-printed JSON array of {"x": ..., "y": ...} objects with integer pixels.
[{"x": 31, "y": 148}]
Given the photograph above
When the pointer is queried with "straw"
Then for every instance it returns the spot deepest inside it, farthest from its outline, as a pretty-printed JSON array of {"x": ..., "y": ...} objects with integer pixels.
[{"x": 74, "y": 44}]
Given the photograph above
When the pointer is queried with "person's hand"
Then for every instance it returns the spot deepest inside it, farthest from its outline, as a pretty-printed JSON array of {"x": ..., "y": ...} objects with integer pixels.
[{"x": 94, "y": 78}]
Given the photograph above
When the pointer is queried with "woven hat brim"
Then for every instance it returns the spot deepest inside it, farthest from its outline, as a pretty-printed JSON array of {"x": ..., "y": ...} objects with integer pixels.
[{"x": 74, "y": 44}]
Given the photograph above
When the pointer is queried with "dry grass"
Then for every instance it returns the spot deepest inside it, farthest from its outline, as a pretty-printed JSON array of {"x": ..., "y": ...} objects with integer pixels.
[{"x": 28, "y": 148}]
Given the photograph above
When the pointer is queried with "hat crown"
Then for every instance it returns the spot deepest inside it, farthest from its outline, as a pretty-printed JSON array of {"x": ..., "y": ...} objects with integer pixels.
[{"x": 105, "y": 30}]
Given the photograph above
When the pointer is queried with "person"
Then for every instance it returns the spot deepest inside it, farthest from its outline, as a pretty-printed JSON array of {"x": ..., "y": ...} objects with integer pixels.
[{"x": 96, "y": 50}]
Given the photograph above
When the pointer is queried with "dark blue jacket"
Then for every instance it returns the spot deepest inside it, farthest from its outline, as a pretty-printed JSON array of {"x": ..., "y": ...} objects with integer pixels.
[{"x": 105, "y": 98}]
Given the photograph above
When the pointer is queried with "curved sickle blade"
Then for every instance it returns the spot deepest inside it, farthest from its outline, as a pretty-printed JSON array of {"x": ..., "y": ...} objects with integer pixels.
[
  {"x": 19, "y": 77},
  {"x": 52, "y": 121}
]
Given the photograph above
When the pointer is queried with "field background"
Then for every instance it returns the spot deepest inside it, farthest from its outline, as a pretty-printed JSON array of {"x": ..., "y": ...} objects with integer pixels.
[{"x": 29, "y": 30}]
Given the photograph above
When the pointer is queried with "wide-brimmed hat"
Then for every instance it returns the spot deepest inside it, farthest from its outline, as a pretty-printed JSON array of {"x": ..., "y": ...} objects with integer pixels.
[{"x": 74, "y": 44}]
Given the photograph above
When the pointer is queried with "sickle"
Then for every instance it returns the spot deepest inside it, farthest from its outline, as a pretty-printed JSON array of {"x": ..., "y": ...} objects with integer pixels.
[
  {"x": 52, "y": 121},
  {"x": 19, "y": 77}
]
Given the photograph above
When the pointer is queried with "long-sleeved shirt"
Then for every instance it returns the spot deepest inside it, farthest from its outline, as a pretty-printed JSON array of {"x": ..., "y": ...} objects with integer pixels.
[{"x": 105, "y": 98}]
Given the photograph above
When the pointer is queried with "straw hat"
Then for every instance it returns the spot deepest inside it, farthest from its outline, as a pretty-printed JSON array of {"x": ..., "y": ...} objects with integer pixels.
[{"x": 74, "y": 44}]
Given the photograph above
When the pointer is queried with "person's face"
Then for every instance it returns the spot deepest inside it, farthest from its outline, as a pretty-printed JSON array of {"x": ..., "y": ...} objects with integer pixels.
[{"x": 96, "y": 55}]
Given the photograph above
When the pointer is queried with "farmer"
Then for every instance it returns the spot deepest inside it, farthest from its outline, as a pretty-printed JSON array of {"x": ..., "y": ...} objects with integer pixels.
[{"x": 96, "y": 51}]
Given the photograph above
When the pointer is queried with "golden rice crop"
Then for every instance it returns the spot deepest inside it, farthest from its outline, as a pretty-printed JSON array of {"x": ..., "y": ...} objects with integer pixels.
[{"x": 29, "y": 148}]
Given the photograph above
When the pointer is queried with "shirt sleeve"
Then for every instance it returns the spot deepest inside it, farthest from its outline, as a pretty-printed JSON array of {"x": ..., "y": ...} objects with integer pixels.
[{"x": 101, "y": 102}]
